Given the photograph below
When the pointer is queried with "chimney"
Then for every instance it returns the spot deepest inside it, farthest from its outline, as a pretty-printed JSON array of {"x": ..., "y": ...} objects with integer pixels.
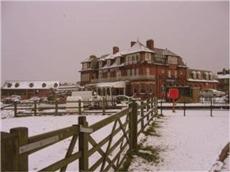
[
  {"x": 132, "y": 43},
  {"x": 150, "y": 44},
  {"x": 115, "y": 50}
]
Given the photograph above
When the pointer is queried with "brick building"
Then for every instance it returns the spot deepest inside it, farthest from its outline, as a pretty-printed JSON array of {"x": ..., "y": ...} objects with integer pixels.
[
  {"x": 141, "y": 70},
  {"x": 28, "y": 89},
  {"x": 224, "y": 79},
  {"x": 201, "y": 79}
]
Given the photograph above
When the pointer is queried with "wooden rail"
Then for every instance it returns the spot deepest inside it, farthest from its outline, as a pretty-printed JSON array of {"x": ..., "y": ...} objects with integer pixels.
[
  {"x": 122, "y": 138},
  {"x": 35, "y": 108}
]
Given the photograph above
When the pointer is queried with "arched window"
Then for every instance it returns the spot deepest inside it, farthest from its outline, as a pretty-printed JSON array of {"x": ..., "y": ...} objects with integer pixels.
[
  {"x": 199, "y": 75},
  {"x": 210, "y": 76},
  {"x": 194, "y": 74}
]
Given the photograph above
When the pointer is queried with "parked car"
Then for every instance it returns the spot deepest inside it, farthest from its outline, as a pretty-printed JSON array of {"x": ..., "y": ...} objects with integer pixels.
[{"x": 123, "y": 99}]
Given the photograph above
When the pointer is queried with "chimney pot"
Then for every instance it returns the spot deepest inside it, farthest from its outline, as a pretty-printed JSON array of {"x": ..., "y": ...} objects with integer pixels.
[
  {"x": 115, "y": 50},
  {"x": 132, "y": 43},
  {"x": 150, "y": 44}
]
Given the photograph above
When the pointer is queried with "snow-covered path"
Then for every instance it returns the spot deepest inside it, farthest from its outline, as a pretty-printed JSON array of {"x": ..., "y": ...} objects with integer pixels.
[{"x": 190, "y": 143}]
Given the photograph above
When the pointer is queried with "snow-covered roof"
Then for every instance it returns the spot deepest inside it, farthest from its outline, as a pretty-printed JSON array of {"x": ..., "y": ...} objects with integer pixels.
[
  {"x": 227, "y": 76},
  {"x": 31, "y": 85},
  {"x": 201, "y": 80},
  {"x": 165, "y": 52},
  {"x": 137, "y": 47},
  {"x": 118, "y": 84}
]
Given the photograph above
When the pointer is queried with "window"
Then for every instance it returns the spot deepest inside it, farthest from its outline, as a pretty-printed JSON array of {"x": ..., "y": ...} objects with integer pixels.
[
  {"x": 169, "y": 74},
  {"x": 137, "y": 71},
  {"x": 31, "y": 85},
  {"x": 16, "y": 85},
  {"x": 56, "y": 85},
  {"x": 147, "y": 71},
  {"x": 194, "y": 75},
  {"x": 210, "y": 76},
  {"x": 138, "y": 57},
  {"x": 133, "y": 72},
  {"x": 175, "y": 74},
  {"x": 118, "y": 60},
  {"x": 9, "y": 85},
  {"x": 43, "y": 85}
]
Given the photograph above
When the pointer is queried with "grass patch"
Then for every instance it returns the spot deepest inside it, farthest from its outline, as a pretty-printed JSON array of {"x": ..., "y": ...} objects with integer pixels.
[
  {"x": 148, "y": 153},
  {"x": 127, "y": 162},
  {"x": 151, "y": 130}
]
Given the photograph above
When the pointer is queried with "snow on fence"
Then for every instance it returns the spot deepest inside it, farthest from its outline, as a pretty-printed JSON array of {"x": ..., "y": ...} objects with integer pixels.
[{"x": 111, "y": 147}]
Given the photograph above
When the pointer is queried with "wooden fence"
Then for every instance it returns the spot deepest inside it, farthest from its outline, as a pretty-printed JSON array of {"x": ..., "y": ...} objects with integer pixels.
[
  {"x": 35, "y": 108},
  {"x": 126, "y": 127}
]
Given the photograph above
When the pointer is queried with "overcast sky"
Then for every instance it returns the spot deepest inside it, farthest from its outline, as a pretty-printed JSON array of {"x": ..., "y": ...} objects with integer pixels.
[{"x": 48, "y": 40}]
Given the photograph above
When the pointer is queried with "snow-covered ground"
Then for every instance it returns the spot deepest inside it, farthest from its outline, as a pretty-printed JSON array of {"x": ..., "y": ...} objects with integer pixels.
[
  {"x": 190, "y": 143},
  {"x": 42, "y": 124}
]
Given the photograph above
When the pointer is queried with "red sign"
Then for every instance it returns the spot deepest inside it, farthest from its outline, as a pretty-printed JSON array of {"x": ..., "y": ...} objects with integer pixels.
[{"x": 173, "y": 93}]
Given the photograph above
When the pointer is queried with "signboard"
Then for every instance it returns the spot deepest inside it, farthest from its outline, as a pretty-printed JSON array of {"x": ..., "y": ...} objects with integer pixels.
[{"x": 173, "y": 93}]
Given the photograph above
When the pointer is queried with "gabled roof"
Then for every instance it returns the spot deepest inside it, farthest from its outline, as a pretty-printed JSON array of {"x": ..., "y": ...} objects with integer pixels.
[{"x": 137, "y": 47}]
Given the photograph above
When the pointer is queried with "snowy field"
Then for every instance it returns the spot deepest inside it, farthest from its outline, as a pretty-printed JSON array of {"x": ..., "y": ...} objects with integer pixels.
[
  {"x": 190, "y": 143},
  {"x": 42, "y": 124}
]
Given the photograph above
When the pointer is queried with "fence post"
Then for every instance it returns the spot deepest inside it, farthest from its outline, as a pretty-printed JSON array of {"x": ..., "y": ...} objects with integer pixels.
[
  {"x": 184, "y": 108},
  {"x": 20, "y": 161},
  {"x": 133, "y": 126},
  {"x": 142, "y": 114},
  {"x": 161, "y": 109},
  {"x": 156, "y": 106},
  {"x": 79, "y": 107},
  {"x": 151, "y": 106},
  {"x": 211, "y": 108},
  {"x": 147, "y": 106},
  {"x": 15, "y": 109},
  {"x": 103, "y": 106},
  {"x": 35, "y": 108},
  {"x": 56, "y": 107},
  {"x": 83, "y": 145}
]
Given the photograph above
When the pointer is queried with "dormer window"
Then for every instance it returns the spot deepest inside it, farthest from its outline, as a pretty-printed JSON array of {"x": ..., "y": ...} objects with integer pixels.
[
  {"x": 194, "y": 74},
  {"x": 16, "y": 85},
  {"x": 210, "y": 76},
  {"x": 55, "y": 85},
  {"x": 31, "y": 85},
  {"x": 108, "y": 62},
  {"x": 118, "y": 60},
  {"x": 43, "y": 85},
  {"x": 206, "y": 75},
  {"x": 9, "y": 85},
  {"x": 198, "y": 75},
  {"x": 84, "y": 66}
]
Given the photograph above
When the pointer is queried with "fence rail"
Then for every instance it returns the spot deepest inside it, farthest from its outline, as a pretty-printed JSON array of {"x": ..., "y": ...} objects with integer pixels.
[
  {"x": 55, "y": 108},
  {"x": 17, "y": 145}
]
